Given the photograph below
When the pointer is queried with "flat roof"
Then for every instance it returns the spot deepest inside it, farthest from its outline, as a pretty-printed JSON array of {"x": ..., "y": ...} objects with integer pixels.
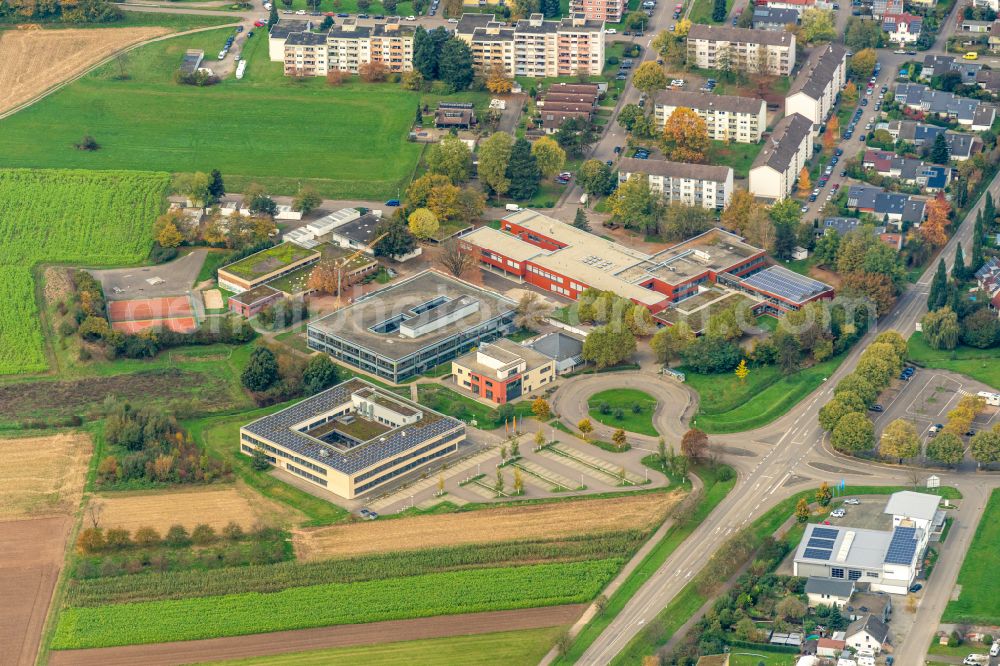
[
  {"x": 716, "y": 250},
  {"x": 505, "y": 351},
  {"x": 909, "y": 504},
  {"x": 397, "y": 302},
  {"x": 251, "y": 296},
  {"x": 697, "y": 310},
  {"x": 281, "y": 428},
  {"x": 360, "y": 230},
  {"x": 509, "y": 246},
  {"x": 843, "y": 546},
  {"x": 787, "y": 284},
  {"x": 268, "y": 261}
]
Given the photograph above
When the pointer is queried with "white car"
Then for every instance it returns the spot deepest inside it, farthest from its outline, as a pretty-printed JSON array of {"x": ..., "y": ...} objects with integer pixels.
[
  {"x": 611, "y": 31},
  {"x": 838, "y": 513},
  {"x": 995, "y": 650},
  {"x": 679, "y": 83},
  {"x": 301, "y": 12},
  {"x": 452, "y": 20},
  {"x": 899, "y": 52},
  {"x": 411, "y": 17},
  {"x": 852, "y": 500}
]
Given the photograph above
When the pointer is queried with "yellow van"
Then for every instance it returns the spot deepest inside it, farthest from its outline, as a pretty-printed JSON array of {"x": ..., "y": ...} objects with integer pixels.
[{"x": 971, "y": 55}]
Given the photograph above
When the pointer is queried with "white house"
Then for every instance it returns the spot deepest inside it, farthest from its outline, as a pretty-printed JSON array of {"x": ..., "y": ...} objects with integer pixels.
[
  {"x": 828, "y": 592},
  {"x": 902, "y": 28},
  {"x": 777, "y": 166},
  {"x": 868, "y": 635},
  {"x": 815, "y": 89}
]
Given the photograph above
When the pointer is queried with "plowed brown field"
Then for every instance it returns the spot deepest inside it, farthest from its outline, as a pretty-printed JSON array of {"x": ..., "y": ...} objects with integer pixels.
[
  {"x": 35, "y": 60},
  {"x": 537, "y": 521}
]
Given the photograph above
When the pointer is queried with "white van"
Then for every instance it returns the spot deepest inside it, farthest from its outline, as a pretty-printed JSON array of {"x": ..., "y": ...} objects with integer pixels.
[
  {"x": 995, "y": 650},
  {"x": 512, "y": 207},
  {"x": 991, "y": 399}
]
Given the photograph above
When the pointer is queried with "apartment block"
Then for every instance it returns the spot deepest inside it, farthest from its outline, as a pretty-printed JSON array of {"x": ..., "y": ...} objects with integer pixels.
[
  {"x": 535, "y": 47},
  {"x": 347, "y": 47},
  {"x": 815, "y": 89},
  {"x": 611, "y": 11},
  {"x": 746, "y": 49},
  {"x": 727, "y": 117},
  {"x": 777, "y": 166},
  {"x": 701, "y": 185}
]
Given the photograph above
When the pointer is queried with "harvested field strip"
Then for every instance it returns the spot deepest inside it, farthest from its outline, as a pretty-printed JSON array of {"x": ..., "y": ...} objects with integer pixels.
[
  {"x": 323, "y": 605},
  {"x": 281, "y": 576},
  {"x": 42, "y": 475},
  {"x": 150, "y": 308},
  {"x": 177, "y": 325},
  {"x": 215, "y": 506},
  {"x": 36, "y": 60},
  {"x": 530, "y": 522}
]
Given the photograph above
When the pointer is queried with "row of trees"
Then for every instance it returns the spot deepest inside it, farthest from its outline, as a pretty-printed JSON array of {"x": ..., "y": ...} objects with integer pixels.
[
  {"x": 94, "y": 540},
  {"x": 77, "y": 11},
  {"x": 845, "y": 416}
]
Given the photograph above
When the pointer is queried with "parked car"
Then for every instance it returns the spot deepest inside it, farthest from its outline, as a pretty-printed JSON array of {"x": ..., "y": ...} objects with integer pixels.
[
  {"x": 608, "y": 162},
  {"x": 301, "y": 12},
  {"x": 838, "y": 513},
  {"x": 392, "y": 203},
  {"x": 977, "y": 660},
  {"x": 971, "y": 55},
  {"x": 453, "y": 20},
  {"x": 877, "y": 408},
  {"x": 916, "y": 587},
  {"x": 611, "y": 31},
  {"x": 852, "y": 500},
  {"x": 411, "y": 17},
  {"x": 618, "y": 149}
]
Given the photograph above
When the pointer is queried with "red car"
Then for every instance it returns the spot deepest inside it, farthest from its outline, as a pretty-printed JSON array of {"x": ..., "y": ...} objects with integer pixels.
[
  {"x": 329, "y": 13},
  {"x": 259, "y": 24}
]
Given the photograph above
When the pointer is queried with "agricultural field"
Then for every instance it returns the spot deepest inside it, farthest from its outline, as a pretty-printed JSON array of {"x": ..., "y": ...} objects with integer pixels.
[
  {"x": 92, "y": 218},
  {"x": 214, "y": 506},
  {"x": 266, "y": 128},
  {"x": 36, "y": 60},
  {"x": 332, "y": 604},
  {"x": 42, "y": 475},
  {"x": 534, "y": 521},
  {"x": 977, "y": 603},
  {"x": 510, "y": 647}
]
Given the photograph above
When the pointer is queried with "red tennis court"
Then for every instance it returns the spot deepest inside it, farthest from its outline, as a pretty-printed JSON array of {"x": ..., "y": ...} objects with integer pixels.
[
  {"x": 177, "y": 324},
  {"x": 150, "y": 308}
]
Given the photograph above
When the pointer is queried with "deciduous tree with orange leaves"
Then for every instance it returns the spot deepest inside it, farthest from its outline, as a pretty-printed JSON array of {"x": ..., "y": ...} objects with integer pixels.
[
  {"x": 685, "y": 136},
  {"x": 832, "y": 134},
  {"x": 804, "y": 183},
  {"x": 933, "y": 230}
]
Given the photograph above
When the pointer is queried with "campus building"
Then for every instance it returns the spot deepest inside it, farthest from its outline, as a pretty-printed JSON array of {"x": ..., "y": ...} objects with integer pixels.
[
  {"x": 542, "y": 251},
  {"x": 746, "y": 49},
  {"x": 346, "y": 48},
  {"x": 503, "y": 371},
  {"x": 611, "y": 11},
  {"x": 814, "y": 90},
  {"x": 777, "y": 166},
  {"x": 700, "y": 185},
  {"x": 727, "y": 117},
  {"x": 265, "y": 266},
  {"x": 533, "y": 46},
  {"x": 413, "y": 326},
  {"x": 353, "y": 438},
  {"x": 779, "y": 289}
]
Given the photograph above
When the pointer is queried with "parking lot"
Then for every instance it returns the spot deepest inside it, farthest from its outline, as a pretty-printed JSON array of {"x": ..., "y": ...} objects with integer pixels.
[{"x": 926, "y": 399}]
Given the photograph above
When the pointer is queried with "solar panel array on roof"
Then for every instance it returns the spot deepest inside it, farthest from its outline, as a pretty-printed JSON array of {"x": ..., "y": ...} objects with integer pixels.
[
  {"x": 821, "y": 543},
  {"x": 785, "y": 284},
  {"x": 817, "y": 553},
  {"x": 824, "y": 533},
  {"x": 902, "y": 546}
]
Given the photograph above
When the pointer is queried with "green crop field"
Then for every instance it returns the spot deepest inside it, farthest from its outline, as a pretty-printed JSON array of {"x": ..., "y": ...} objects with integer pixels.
[
  {"x": 624, "y": 399},
  {"x": 509, "y": 647},
  {"x": 977, "y": 604},
  {"x": 337, "y": 603},
  {"x": 87, "y": 218},
  {"x": 347, "y": 142}
]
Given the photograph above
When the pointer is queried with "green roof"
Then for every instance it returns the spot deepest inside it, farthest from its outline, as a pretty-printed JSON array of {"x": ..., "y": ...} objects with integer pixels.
[{"x": 268, "y": 261}]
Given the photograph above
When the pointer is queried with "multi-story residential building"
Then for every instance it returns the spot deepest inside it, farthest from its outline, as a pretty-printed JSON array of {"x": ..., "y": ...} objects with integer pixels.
[
  {"x": 535, "y": 47},
  {"x": 701, "y": 185},
  {"x": 902, "y": 28},
  {"x": 352, "y": 438},
  {"x": 347, "y": 47},
  {"x": 727, "y": 117},
  {"x": 502, "y": 371},
  {"x": 746, "y": 49},
  {"x": 815, "y": 89},
  {"x": 772, "y": 18},
  {"x": 566, "y": 100},
  {"x": 610, "y": 11},
  {"x": 777, "y": 165},
  {"x": 798, "y": 6},
  {"x": 279, "y": 33}
]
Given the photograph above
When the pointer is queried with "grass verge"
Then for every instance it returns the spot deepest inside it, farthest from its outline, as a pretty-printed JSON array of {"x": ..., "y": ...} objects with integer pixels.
[
  {"x": 625, "y": 400},
  {"x": 983, "y": 365},
  {"x": 977, "y": 604}
]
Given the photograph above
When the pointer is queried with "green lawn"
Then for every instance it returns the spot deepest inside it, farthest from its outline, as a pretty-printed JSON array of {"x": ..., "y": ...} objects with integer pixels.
[
  {"x": 739, "y": 156},
  {"x": 727, "y": 405},
  {"x": 511, "y": 647},
  {"x": 980, "y": 364},
  {"x": 759, "y": 656},
  {"x": 702, "y": 12},
  {"x": 452, "y": 403},
  {"x": 624, "y": 399},
  {"x": 346, "y": 141},
  {"x": 977, "y": 603}
]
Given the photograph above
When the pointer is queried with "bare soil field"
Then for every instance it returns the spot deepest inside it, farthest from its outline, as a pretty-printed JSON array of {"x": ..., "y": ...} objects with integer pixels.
[
  {"x": 303, "y": 640},
  {"x": 215, "y": 506},
  {"x": 537, "y": 521},
  {"x": 29, "y": 567},
  {"x": 42, "y": 475},
  {"x": 36, "y": 60}
]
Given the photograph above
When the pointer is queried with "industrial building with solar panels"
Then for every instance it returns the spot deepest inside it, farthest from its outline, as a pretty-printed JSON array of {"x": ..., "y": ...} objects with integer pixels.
[
  {"x": 352, "y": 438},
  {"x": 888, "y": 560}
]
